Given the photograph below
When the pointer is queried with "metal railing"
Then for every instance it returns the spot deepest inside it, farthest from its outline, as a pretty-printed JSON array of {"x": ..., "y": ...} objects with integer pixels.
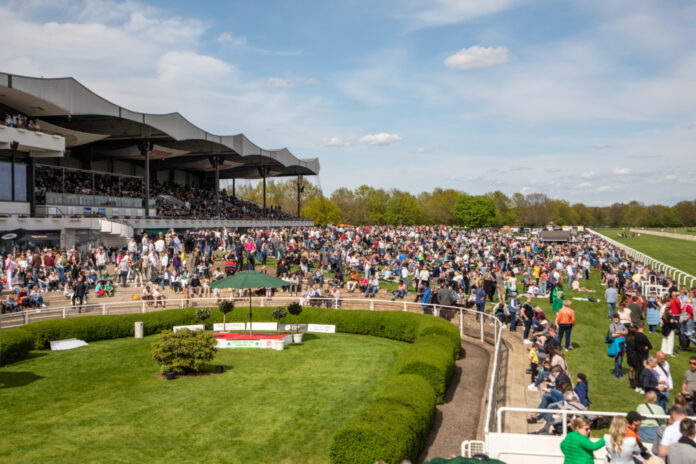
[
  {"x": 564, "y": 413},
  {"x": 648, "y": 260}
]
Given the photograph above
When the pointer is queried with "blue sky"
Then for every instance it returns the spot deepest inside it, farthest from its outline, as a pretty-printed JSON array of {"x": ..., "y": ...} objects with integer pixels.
[{"x": 582, "y": 100}]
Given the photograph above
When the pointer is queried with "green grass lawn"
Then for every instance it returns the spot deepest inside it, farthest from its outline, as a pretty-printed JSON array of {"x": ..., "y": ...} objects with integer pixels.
[
  {"x": 590, "y": 353},
  {"x": 103, "y": 403},
  {"x": 673, "y": 251}
]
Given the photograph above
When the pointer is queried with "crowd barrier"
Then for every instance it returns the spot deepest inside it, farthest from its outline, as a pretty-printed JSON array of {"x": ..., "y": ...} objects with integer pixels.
[{"x": 652, "y": 262}]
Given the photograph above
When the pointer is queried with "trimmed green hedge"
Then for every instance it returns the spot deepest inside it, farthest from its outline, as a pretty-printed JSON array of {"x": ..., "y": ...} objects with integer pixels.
[
  {"x": 431, "y": 358},
  {"x": 16, "y": 344},
  {"x": 393, "y": 428},
  {"x": 92, "y": 328}
]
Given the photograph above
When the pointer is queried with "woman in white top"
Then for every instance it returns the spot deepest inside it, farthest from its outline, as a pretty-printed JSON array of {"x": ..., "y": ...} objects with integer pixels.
[{"x": 620, "y": 448}]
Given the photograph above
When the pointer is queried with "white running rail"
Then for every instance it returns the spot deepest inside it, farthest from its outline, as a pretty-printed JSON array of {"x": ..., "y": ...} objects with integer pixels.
[{"x": 654, "y": 263}]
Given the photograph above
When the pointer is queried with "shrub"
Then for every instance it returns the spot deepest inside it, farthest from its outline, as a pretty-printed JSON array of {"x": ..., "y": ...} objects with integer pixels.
[
  {"x": 16, "y": 344},
  {"x": 203, "y": 313},
  {"x": 184, "y": 350},
  {"x": 279, "y": 313},
  {"x": 393, "y": 428}
]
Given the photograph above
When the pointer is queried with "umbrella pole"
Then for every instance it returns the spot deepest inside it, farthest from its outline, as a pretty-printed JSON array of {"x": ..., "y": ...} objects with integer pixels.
[{"x": 250, "y": 313}]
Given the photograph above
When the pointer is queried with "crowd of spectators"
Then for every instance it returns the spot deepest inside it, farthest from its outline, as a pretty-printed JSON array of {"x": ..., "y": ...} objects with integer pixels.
[
  {"x": 20, "y": 121},
  {"x": 441, "y": 268},
  {"x": 171, "y": 199}
]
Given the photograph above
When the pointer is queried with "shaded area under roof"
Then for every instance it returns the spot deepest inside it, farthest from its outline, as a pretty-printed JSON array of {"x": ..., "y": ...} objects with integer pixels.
[{"x": 64, "y": 104}]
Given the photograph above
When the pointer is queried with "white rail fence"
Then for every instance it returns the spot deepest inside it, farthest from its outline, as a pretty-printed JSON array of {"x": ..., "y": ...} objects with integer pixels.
[{"x": 681, "y": 276}]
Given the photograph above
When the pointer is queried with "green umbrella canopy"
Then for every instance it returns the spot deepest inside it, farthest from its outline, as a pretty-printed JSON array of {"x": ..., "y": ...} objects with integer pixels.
[{"x": 249, "y": 279}]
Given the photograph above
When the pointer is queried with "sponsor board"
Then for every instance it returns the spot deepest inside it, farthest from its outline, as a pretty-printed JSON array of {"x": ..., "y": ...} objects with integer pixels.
[
  {"x": 190, "y": 327},
  {"x": 229, "y": 326},
  {"x": 321, "y": 328},
  {"x": 262, "y": 326}
]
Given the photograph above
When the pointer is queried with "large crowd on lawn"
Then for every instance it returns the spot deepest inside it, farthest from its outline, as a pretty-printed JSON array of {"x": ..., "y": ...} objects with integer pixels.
[{"x": 442, "y": 268}]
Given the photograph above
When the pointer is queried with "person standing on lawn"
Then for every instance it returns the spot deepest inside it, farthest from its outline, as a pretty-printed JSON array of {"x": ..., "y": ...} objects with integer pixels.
[
  {"x": 565, "y": 321},
  {"x": 664, "y": 380},
  {"x": 637, "y": 351},
  {"x": 618, "y": 330},
  {"x": 610, "y": 296},
  {"x": 558, "y": 295}
]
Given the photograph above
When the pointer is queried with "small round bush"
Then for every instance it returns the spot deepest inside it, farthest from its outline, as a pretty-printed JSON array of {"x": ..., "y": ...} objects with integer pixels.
[
  {"x": 203, "y": 313},
  {"x": 184, "y": 350}
]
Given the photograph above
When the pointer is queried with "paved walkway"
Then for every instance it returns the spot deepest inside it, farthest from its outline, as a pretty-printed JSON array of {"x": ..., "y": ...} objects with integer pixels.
[{"x": 458, "y": 418}]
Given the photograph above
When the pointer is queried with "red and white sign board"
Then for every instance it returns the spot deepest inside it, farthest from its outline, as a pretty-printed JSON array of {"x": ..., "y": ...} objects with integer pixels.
[{"x": 321, "y": 328}]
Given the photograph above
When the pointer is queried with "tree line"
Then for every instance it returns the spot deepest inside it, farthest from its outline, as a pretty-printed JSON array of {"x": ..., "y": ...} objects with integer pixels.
[{"x": 369, "y": 205}]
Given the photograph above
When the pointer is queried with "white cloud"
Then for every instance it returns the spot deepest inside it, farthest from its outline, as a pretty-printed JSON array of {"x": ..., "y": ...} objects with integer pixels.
[
  {"x": 606, "y": 188},
  {"x": 242, "y": 44},
  {"x": 477, "y": 57},
  {"x": 380, "y": 139},
  {"x": 280, "y": 83},
  {"x": 583, "y": 186},
  {"x": 312, "y": 81},
  {"x": 439, "y": 12},
  {"x": 588, "y": 175},
  {"x": 339, "y": 142},
  {"x": 228, "y": 39},
  {"x": 622, "y": 171}
]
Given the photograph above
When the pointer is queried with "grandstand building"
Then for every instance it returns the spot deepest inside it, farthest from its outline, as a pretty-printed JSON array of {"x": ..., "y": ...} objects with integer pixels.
[{"x": 74, "y": 165}]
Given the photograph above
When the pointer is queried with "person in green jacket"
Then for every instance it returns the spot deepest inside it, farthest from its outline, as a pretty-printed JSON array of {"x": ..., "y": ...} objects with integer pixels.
[
  {"x": 577, "y": 447},
  {"x": 558, "y": 297}
]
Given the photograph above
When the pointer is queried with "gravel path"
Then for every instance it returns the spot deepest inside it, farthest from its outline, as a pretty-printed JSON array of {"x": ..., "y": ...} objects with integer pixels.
[{"x": 457, "y": 419}]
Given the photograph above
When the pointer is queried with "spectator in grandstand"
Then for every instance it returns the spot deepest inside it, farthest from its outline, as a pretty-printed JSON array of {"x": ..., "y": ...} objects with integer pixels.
[
  {"x": 672, "y": 432},
  {"x": 577, "y": 447},
  {"x": 620, "y": 447}
]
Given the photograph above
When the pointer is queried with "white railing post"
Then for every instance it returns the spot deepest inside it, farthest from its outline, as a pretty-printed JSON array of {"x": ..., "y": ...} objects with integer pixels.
[
  {"x": 405, "y": 308},
  {"x": 65, "y": 313},
  {"x": 481, "y": 319},
  {"x": 461, "y": 322},
  {"x": 104, "y": 311},
  {"x": 336, "y": 303},
  {"x": 26, "y": 317},
  {"x": 142, "y": 307},
  {"x": 372, "y": 305}
]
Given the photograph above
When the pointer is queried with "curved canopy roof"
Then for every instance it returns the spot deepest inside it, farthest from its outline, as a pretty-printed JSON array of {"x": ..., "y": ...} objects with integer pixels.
[{"x": 65, "y": 106}]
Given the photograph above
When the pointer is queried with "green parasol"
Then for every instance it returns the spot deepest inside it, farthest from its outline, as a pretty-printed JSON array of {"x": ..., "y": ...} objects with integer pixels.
[{"x": 248, "y": 280}]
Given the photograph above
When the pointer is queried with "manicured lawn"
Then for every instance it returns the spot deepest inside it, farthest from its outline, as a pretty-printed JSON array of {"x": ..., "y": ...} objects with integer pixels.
[
  {"x": 590, "y": 353},
  {"x": 673, "y": 251},
  {"x": 102, "y": 403}
]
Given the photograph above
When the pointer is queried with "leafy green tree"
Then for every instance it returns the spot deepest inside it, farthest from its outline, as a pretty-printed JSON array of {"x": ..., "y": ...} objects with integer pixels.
[
  {"x": 402, "y": 209},
  {"x": 438, "y": 207},
  {"x": 353, "y": 207},
  {"x": 376, "y": 201},
  {"x": 475, "y": 211},
  {"x": 322, "y": 211}
]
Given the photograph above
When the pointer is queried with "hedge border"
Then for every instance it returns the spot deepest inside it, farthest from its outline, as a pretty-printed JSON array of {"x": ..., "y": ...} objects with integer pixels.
[{"x": 392, "y": 428}]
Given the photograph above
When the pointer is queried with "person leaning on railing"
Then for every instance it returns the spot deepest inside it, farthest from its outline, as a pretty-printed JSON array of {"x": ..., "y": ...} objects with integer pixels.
[{"x": 577, "y": 447}]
